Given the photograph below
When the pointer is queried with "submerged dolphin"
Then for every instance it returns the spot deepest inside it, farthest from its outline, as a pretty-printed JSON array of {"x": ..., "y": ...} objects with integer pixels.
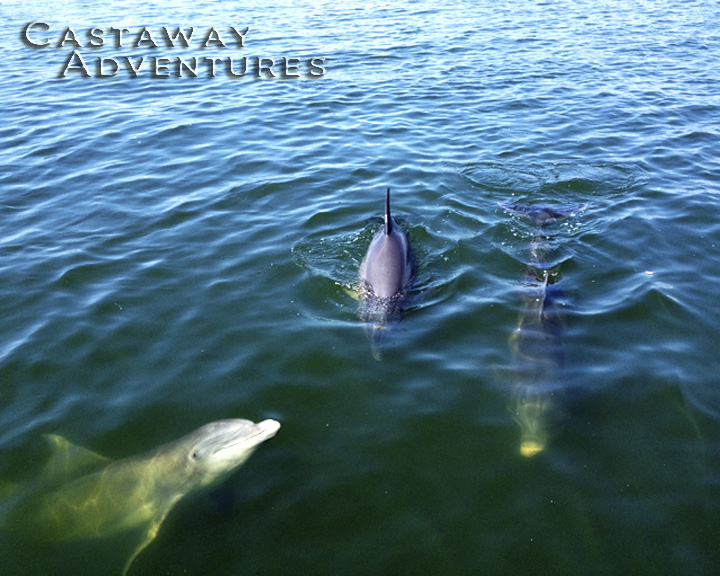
[
  {"x": 384, "y": 276},
  {"x": 537, "y": 402},
  {"x": 87, "y": 496}
]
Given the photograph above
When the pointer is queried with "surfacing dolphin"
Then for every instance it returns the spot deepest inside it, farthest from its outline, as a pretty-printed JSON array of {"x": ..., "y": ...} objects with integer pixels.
[
  {"x": 86, "y": 496},
  {"x": 384, "y": 277},
  {"x": 537, "y": 402}
]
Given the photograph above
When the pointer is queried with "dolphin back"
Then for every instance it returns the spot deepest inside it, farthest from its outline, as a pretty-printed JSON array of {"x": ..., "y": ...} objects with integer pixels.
[
  {"x": 538, "y": 402},
  {"x": 384, "y": 276},
  {"x": 543, "y": 214},
  {"x": 388, "y": 266}
]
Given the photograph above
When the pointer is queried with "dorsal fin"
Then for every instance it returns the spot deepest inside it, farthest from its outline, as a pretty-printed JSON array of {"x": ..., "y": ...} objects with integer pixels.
[
  {"x": 388, "y": 218},
  {"x": 68, "y": 459}
]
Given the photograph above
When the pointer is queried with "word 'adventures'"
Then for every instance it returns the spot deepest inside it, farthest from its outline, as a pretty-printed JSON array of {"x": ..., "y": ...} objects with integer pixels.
[{"x": 40, "y": 35}]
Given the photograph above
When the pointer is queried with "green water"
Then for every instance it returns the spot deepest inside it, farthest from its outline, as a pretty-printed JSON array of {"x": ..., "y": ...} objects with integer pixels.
[{"x": 177, "y": 251}]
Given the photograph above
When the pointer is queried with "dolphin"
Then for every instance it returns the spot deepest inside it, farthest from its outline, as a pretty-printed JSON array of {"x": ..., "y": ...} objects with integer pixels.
[
  {"x": 538, "y": 399},
  {"x": 385, "y": 274},
  {"x": 86, "y": 496}
]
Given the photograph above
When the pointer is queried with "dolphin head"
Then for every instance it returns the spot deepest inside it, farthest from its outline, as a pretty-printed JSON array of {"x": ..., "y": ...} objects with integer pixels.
[
  {"x": 533, "y": 431},
  {"x": 537, "y": 412},
  {"x": 213, "y": 451}
]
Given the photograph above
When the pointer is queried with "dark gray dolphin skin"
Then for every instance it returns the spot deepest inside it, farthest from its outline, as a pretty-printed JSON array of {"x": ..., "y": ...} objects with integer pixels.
[
  {"x": 83, "y": 495},
  {"x": 385, "y": 275},
  {"x": 538, "y": 400}
]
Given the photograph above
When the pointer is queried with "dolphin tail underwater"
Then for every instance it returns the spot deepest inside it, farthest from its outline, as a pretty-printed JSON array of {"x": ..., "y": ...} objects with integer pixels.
[
  {"x": 384, "y": 277},
  {"x": 537, "y": 402},
  {"x": 83, "y": 496}
]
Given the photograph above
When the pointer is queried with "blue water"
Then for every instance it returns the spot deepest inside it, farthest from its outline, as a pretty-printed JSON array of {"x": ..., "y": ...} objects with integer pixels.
[{"x": 179, "y": 250}]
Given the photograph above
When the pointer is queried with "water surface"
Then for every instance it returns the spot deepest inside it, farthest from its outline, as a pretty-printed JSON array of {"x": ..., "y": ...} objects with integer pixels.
[{"x": 176, "y": 250}]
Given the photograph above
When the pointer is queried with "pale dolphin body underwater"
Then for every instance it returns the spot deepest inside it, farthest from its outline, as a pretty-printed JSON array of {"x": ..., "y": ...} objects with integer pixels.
[
  {"x": 87, "y": 496},
  {"x": 538, "y": 401},
  {"x": 384, "y": 277}
]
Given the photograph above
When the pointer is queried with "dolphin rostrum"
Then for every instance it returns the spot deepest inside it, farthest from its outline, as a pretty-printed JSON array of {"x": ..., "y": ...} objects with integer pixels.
[
  {"x": 384, "y": 276},
  {"x": 87, "y": 496},
  {"x": 537, "y": 402}
]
